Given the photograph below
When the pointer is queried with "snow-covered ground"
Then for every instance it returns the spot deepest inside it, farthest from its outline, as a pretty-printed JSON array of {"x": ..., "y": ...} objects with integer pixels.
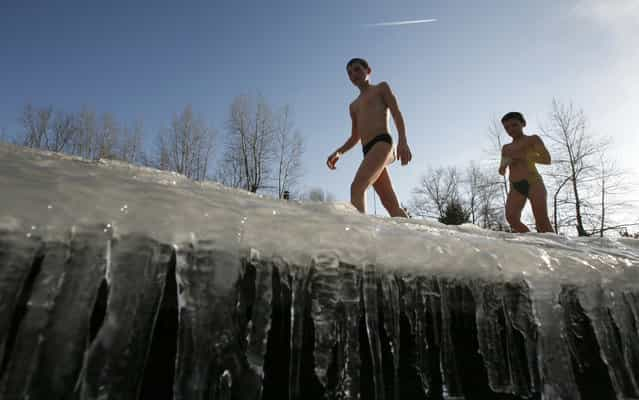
[{"x": 45, "y": 192}]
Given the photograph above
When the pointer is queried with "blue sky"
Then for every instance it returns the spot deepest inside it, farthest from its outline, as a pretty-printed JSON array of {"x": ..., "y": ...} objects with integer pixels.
[{"x": 147, "y": 60}]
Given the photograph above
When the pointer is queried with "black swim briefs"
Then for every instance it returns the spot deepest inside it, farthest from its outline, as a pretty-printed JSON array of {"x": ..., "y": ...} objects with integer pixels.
[{"x": 382, "y": 137}]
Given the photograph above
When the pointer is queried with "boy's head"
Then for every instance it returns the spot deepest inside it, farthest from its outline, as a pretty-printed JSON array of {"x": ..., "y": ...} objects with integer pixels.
[
  {"x": 358, "y": 70},
  {"x": 514, "y": 123}
]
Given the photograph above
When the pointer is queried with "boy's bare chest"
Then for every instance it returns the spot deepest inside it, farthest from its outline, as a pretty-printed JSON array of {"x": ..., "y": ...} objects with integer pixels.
[
  {"x": 370, "y": 103},
  {"x": 521, "y": 146}
]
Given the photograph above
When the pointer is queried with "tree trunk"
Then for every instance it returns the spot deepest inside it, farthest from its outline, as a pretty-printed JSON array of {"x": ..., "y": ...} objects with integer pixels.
[
  {"x": 555, "y": 216},
  {"x": 603, "y": 205},
  {"x": 580, "y": 225},
  {"x": 555, "y": 212}
]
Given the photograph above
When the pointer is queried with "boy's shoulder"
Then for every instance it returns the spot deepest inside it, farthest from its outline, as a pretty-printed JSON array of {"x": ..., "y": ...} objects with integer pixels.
[
  {"x": 533, "y": 139},
  {"x": 383, "y": 86}
]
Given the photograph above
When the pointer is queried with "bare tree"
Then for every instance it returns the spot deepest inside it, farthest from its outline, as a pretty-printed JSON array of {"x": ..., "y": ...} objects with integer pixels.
[
  {"x": 229, "y": 170},
  {"x": 81, "y": 134},
  {"x": 129, "y": 148},
  {"x": 473, "y": 182},
  {"x": 613, "y": 183},
  {"x": 483, "y": 196},
  {"x": 437, "y": 188},
  {"x": 249, "y": 149},
  {"x": 477, "y": 191},
  {"x": 232, "y": 167},
  {"x": 289, "y": 147},
  {"x": 44, "y": 129},
  {"x": 491, "y": 211},
  {"x": 558, "y": 202},
  {"x": 319, "y": 195},
  {"x": 262, "y": 151},
  {"x": 108, "y": 135},
  {"x": 36, "y": 123},
  {"x": 254, "y": 130},
  {"x": 574, "y": 152},
  {"x": 85, "y": 142},
  {"x": 187, "y": 146},
  {"x": 64, "y": 128}
]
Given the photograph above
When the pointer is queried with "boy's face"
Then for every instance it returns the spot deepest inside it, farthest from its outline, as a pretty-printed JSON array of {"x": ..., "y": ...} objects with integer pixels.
[
  {"x": 358, "y": 74},
  {"x": 513, "y": 127}
]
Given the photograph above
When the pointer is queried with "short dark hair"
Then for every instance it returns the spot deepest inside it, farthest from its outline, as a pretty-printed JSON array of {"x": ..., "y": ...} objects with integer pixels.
[
  {"x": 359, "y": 61},
  {"x": 514, "y": 115}
]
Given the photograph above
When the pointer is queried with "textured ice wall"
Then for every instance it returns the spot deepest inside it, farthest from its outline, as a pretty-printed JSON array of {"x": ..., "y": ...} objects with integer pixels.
[{"x": 247, "y": 296}]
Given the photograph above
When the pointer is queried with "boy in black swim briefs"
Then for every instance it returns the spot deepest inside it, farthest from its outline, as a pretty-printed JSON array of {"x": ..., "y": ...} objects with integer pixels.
[
  {"x": 370, "y": 118},
  {"x": 521, "y": 157}
]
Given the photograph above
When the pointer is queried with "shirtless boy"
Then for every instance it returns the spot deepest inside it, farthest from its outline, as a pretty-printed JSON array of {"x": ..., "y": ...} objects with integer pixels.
[
  {"x": 370, "y": 125},
  {"x": 520, "y": 157}
]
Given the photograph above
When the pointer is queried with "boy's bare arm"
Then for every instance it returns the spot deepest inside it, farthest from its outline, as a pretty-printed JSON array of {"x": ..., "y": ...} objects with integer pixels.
[
  {"x": 505, "y": 161},
  {"x": 403, "y": 152},
  {"x": 542, "y": 156},
  {"x": 391, "y": 102},
  {"x": 350, "y": 142},
  {"x": 354, "y": 138}
]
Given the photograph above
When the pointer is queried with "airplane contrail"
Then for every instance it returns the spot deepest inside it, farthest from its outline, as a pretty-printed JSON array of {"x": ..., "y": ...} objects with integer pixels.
[{"x": 397, "y": 23}]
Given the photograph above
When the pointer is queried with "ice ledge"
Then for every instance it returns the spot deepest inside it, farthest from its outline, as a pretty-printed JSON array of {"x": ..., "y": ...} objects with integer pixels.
[{"x": 107, "y": 268}]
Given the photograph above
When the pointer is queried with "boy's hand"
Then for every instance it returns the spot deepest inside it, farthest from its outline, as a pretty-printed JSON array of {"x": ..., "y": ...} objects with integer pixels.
[
  {"x": 332, "y": 159},
  {"x": 403, "y": 152}
]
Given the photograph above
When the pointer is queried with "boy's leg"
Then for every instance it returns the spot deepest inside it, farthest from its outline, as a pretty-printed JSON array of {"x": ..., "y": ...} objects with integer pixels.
[
  {"x": 538, "y": 202},
  {"x": 514, "y": 204},
  {"x": 368, "y": 172},
  {"x": 384, "y": 188}
]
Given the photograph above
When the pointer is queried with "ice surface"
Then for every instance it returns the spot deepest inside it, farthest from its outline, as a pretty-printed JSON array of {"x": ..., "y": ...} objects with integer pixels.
[
  {"x": 43, "y": 191},
  {"x": 522, "y": 288}
]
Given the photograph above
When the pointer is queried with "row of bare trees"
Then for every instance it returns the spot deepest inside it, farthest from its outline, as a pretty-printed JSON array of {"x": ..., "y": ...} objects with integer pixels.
[
  {"x": 186, "y": 147},
  {"x": 585, "y": 186},
  {"x": 479, "y": 191},
  {"x": 83, "y": 134},
  {"x": 262, "y": 151},
  {"x": 587, "y": 190}
]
